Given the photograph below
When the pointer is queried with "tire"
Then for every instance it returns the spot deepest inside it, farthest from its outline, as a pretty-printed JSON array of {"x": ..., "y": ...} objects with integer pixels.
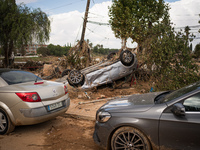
[
  {"x": 111, "y": 55},
  {"x": 65, "y": 72},
  {"x": 129, "y": 138},
  {"x": 75, "y": 77},
  {"x": 6, "y": 125},
  {"x": 127, "y": 58}
]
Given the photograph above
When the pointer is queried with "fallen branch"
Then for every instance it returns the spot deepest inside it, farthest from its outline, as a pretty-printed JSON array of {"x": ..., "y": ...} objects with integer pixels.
[{"x": 100, "y": 100}]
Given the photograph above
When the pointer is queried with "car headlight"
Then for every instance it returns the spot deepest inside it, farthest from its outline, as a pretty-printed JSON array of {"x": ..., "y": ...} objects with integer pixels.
[{"x": 103, "y": 116}]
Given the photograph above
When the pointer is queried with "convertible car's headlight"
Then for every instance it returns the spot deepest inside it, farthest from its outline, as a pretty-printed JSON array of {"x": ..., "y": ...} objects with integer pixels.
[{"x": 103, "y": 116}]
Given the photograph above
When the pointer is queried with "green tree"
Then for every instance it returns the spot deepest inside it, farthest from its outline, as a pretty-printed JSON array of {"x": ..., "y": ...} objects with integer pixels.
[
  {"x": 170, "y": 53},
  {"x": 44, "y": 51},
  {"x": 20, "y": 25},
  {"x": 165, "y": 52},
  {"x": 135, "y": 18},
  {"x": 191, "y": 47},
  {"x": 58, "y": 50},
  {"x": 197, "y": 51}
]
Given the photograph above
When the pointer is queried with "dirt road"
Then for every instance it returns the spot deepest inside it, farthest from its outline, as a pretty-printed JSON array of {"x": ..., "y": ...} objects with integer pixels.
[
  {"x": 58, "y": 134},
  {"x": 64, "y": 133}
]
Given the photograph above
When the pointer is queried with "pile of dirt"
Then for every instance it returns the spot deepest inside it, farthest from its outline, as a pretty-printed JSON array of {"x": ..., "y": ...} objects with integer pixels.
[{"x": 107, "y": 91}]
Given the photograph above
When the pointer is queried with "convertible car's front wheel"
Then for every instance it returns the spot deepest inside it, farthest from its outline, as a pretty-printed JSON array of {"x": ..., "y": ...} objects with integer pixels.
[
  {"x": 129, "y": 138},
  {"x": 6, "y": 125},
  {"x": 75, "y": 77},
  {"x": 127, "y": 58}
]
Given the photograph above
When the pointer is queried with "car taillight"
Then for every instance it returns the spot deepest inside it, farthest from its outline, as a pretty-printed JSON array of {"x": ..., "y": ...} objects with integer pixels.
[
  {"x": 65, "y": 89},
  {"x": 29, "y": 97}
]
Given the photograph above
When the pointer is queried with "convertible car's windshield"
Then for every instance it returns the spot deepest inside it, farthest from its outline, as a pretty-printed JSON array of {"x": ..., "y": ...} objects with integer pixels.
[{"x": 179, "y": 92}]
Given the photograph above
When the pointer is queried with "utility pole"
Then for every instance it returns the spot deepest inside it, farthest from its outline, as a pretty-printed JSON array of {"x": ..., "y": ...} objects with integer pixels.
[{"x": 84, "y": 23}]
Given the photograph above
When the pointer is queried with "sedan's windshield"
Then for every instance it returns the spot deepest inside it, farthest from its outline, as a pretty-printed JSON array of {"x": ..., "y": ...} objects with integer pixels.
[
  {"x": 18, "y": 76},
  {"x": 178, "y": 93}
]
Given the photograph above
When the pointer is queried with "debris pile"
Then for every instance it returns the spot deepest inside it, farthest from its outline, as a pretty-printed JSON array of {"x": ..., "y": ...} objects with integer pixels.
[
  {"x": 79, "y": 58},
  {"x": 32, "y": 65}
]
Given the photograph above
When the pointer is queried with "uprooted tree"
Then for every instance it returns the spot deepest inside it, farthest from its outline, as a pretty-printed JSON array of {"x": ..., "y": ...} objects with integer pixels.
[
  {"x": 159, "y": 45},
  {"x": 20, "y": 25}
]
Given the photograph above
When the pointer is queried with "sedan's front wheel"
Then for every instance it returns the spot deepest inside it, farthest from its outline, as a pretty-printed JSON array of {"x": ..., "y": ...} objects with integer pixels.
[
  {"x": 6, "y": 125},
  {"x": 76, "y": 78},
  {"x": 127, "y": 58},
  {"x": 129, "y": 138}
]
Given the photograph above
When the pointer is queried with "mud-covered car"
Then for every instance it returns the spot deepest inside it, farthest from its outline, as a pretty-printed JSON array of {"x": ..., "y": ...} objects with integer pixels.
[
  {"x": 104, "y": 72},
  {"x": 152, "y": 121}
]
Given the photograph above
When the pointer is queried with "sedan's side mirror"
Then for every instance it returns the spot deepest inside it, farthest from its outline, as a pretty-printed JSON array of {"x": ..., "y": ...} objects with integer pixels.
[{"x": 178, "y": 109}]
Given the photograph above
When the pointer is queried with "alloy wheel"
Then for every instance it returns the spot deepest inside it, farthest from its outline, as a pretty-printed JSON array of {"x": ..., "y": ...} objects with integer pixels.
[
  {"x": 128, "y": 141},
  {"x": 3, "y": 122}
]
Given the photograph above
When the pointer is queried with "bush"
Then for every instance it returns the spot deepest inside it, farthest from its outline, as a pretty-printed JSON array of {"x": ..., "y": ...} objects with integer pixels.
[{"x": 44, "y": 51}]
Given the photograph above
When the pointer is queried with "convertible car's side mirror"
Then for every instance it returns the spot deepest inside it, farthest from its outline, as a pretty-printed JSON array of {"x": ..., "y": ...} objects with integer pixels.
[{"x": 178, "y": 109}]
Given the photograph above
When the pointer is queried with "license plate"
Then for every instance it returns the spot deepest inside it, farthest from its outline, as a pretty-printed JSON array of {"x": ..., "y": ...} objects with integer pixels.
[{"x": 55, "y": 106}]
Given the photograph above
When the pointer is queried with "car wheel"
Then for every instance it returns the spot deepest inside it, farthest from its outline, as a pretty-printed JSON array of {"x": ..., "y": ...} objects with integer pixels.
[
  {"x": 129, "y": 138},
  {"x": 75, "y": 77},
  {"x": 6, "y": 125},
  {"x": 127, "y": 58},
  {"x": 65, "y": 72},
  {"x": 111, "y": 55}
]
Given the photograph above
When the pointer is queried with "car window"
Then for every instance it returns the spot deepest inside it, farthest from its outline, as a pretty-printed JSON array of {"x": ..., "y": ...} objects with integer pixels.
[
  {"x": 192, "y": 103},
  {"x": 181, "y": 92},
  {"x": 18, "y": 76}
]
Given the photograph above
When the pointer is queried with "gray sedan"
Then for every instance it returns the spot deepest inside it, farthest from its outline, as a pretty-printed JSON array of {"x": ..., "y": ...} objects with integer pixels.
[
  {"x": 162, "y": 120},
  {"x": 26, "y": 99}
]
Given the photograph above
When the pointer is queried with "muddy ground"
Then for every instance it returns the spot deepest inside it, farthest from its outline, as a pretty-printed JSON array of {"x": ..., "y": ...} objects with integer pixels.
[
  {"x": 66, "y": 132},
  {"x": 58, "y": 134}
]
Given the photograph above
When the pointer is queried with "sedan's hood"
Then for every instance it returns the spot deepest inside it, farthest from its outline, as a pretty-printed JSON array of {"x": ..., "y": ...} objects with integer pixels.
[{"x": 134, "y": 103}]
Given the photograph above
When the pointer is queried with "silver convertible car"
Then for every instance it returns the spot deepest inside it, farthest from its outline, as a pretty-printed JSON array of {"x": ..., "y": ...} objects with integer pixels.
[
  {"x": 159, "y": 121},
  {"x": 104, "y": 72},
  {"x": 26, "y": 99}
]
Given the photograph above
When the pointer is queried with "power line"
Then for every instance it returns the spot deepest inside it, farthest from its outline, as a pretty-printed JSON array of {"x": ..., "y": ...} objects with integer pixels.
[
  {"x": 187, "y": 15},
  {"x": 96, "y": 33},
  {"x": 97, "y": 14},
  {"x": 196, "y": 26},
  {"x": 64, "y": 5},
  {"x": 98, "y": 23}
]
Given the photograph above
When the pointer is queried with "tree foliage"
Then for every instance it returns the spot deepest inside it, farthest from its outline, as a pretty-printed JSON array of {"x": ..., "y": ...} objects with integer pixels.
[
  {"x": 98, "y": 49},
  {"x": 44, "y": 51},
  {"x": 58, "y": 50},
  {"x": 172, "y": 57},
  {"x": 135, "y": 19},
  {"x": 20, "y": 25},
  {"x": 197, "y": 51},
  {"x": 166, "y": 52}
]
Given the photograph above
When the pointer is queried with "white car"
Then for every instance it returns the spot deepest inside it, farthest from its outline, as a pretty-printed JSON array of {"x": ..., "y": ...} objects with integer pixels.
[
  {"x": 104, "y": 72},
  {"x": 26, "y": 99}
]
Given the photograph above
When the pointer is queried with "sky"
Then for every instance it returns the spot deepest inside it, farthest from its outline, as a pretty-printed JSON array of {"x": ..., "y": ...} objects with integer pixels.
[{"x": 67, "y": 20}]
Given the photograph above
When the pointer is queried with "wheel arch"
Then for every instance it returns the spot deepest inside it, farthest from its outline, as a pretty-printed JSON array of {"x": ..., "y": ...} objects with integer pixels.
[{"x": 8, "y": 111}]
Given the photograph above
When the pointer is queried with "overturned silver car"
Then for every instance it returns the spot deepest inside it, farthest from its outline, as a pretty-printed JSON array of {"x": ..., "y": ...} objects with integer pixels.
[{"x": 104, "y": 72}]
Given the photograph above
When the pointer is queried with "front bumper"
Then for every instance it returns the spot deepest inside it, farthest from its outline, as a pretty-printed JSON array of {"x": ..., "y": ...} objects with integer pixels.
[{"x": 102, "y": 134}]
